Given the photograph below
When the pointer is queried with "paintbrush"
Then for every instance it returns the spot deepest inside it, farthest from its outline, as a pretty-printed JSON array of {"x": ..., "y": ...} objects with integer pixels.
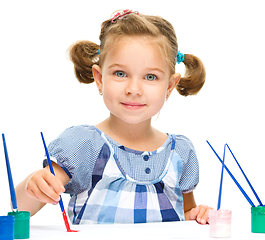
[
  {"x": 61, "y": 201},
  {"x": 232, "y": 176},
  {"x": 10, "y": 179}
]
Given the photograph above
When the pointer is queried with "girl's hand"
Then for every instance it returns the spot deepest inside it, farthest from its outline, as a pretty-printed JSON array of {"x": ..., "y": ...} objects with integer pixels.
[
  {"x": 44, "y": 186},
  {"x": 200, "y": 214}
]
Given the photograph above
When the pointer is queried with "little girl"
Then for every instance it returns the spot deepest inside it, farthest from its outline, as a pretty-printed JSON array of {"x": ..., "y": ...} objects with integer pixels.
[{"x": 123, "y": 170}]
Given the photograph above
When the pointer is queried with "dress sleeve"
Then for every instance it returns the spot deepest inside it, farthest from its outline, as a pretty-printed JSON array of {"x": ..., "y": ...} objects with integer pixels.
[
  {"x": 190, "y": 173},
  {"x": 76, "y": 151}
]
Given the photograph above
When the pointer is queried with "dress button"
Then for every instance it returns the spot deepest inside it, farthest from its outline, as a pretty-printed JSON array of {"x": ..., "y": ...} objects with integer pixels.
[
  {"x": 147, "y": 170},
  {"x": 146, "y": 157}
]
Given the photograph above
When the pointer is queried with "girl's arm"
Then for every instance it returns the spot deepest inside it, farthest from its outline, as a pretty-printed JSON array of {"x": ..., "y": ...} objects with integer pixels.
[
  {"x": 192, "y": 212},
  {"x": 189, "y": 203},
  {"x": 41, "y": 187}
]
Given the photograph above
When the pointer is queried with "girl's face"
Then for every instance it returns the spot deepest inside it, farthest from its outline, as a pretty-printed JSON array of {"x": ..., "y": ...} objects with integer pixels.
[{"x": 135, "y": 79}]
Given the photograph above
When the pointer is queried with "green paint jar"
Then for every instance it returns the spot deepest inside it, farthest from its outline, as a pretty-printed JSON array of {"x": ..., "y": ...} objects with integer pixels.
[
  {"x": 258, "y": 219},
  {"x": 21, "y": 227}
]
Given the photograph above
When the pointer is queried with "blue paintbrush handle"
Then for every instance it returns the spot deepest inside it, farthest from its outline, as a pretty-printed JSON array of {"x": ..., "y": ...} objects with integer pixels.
[
  {"x": 10, "y": 179},
  {"x": 221, "y": 183},
  {"x": 51, "y": 167},
  {"x": 233, "y": 178},
  {"x": 250, "y": 185},
  {"x": 47, "y": 154}
]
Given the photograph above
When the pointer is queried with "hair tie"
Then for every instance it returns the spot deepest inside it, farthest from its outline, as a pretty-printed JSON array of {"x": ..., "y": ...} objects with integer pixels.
[
  {"x": 121, "y": 14},
  {"x": 98, "y": 51},
  {"x": 180, "y": 58}
]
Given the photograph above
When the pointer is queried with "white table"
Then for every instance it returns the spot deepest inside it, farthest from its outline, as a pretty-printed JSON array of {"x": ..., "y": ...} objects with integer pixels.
[{"x": 153, "y": 231}]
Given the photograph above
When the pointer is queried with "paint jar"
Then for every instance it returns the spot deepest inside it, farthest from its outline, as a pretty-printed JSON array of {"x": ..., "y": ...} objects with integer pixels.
[
  {"x": 21, "y": 227},
  {"x": 220, "y": 223},
  {"x": 258, "y": 219},
  {"x": 7, "y": 227}
]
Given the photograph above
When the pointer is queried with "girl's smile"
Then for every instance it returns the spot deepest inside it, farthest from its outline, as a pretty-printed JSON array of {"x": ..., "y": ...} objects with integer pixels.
[{"x": 132, "y": 105}]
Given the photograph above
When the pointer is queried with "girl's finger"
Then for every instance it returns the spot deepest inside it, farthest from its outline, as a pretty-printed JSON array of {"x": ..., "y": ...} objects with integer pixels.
[
  {"x": 202, "y": 213},
  {"x": 47, "y": 190},
  {"x": 42, "y": 185},
  {"x": 35, "y": 192},
  {"x": 193, "y": 213},
  {"x": 54, "y": 182}
]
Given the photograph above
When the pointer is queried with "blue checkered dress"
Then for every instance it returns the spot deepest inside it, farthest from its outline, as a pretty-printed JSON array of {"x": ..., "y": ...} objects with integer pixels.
[{"x": 110, "y": 183}]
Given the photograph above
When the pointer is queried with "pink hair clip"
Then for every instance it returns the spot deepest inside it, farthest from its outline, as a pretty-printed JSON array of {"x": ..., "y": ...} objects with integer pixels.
[{"x": 121, "y": 14}]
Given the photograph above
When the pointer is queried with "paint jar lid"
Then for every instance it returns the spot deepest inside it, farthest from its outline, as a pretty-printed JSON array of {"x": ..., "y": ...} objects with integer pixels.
[
  {"x": 20, "y": 215},
  {"x": 220, "y": 213},
  {"x": 258, "y": 210}
]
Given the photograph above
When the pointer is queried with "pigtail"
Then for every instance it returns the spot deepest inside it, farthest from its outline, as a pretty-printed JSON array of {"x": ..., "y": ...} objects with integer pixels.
[
  {"x": 194, "y": 76},
  {"x": 84, "y": 54}
]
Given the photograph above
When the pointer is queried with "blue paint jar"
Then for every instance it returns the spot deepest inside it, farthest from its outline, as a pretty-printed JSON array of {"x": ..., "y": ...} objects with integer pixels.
[{"x": 7, "y": 227}]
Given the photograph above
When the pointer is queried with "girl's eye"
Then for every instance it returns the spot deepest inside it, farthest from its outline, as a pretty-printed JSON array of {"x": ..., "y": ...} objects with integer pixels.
[
  {"x": 120, "y": 74},
  {"x": 150, "y": 77}
]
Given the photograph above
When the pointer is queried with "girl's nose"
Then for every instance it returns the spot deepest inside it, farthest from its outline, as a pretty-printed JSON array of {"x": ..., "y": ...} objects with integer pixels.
[{"x": 134, "y": 87}]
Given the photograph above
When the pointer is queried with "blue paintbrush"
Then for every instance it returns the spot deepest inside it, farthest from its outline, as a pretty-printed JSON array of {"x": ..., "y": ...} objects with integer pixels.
[
  {"x": 233, "y": 178},
  {"x": 61, "y": 201},
  {"x": 10, "y": 179},
  {"x": 221, "y": 183},
  {"x": 250, "y": 185}
]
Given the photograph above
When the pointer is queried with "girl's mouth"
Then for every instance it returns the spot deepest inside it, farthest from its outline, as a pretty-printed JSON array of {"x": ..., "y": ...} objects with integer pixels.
[{"x": 132, "y": 105}]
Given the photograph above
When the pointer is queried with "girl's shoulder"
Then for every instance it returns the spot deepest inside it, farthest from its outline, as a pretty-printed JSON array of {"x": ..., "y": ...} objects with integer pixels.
[
  {"x": 183, "y": 146},
  {"x": 182, "y": 141},
  {"x": 78, "y": 137},
  {"x": 80, "y": 131}
]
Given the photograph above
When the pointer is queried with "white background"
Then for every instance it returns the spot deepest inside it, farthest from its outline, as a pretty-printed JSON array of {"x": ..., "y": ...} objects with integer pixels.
[{"x": 39, "y": 92}]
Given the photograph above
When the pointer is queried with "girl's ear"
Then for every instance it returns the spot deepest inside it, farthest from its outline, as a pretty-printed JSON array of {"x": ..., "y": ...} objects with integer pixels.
[
  {"x": 96, "y": 70},
  {"x": 174, "y": 80}
]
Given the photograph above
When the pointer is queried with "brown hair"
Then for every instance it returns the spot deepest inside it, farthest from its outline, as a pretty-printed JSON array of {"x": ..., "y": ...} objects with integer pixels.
[{"x": 84, "y": 54}]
